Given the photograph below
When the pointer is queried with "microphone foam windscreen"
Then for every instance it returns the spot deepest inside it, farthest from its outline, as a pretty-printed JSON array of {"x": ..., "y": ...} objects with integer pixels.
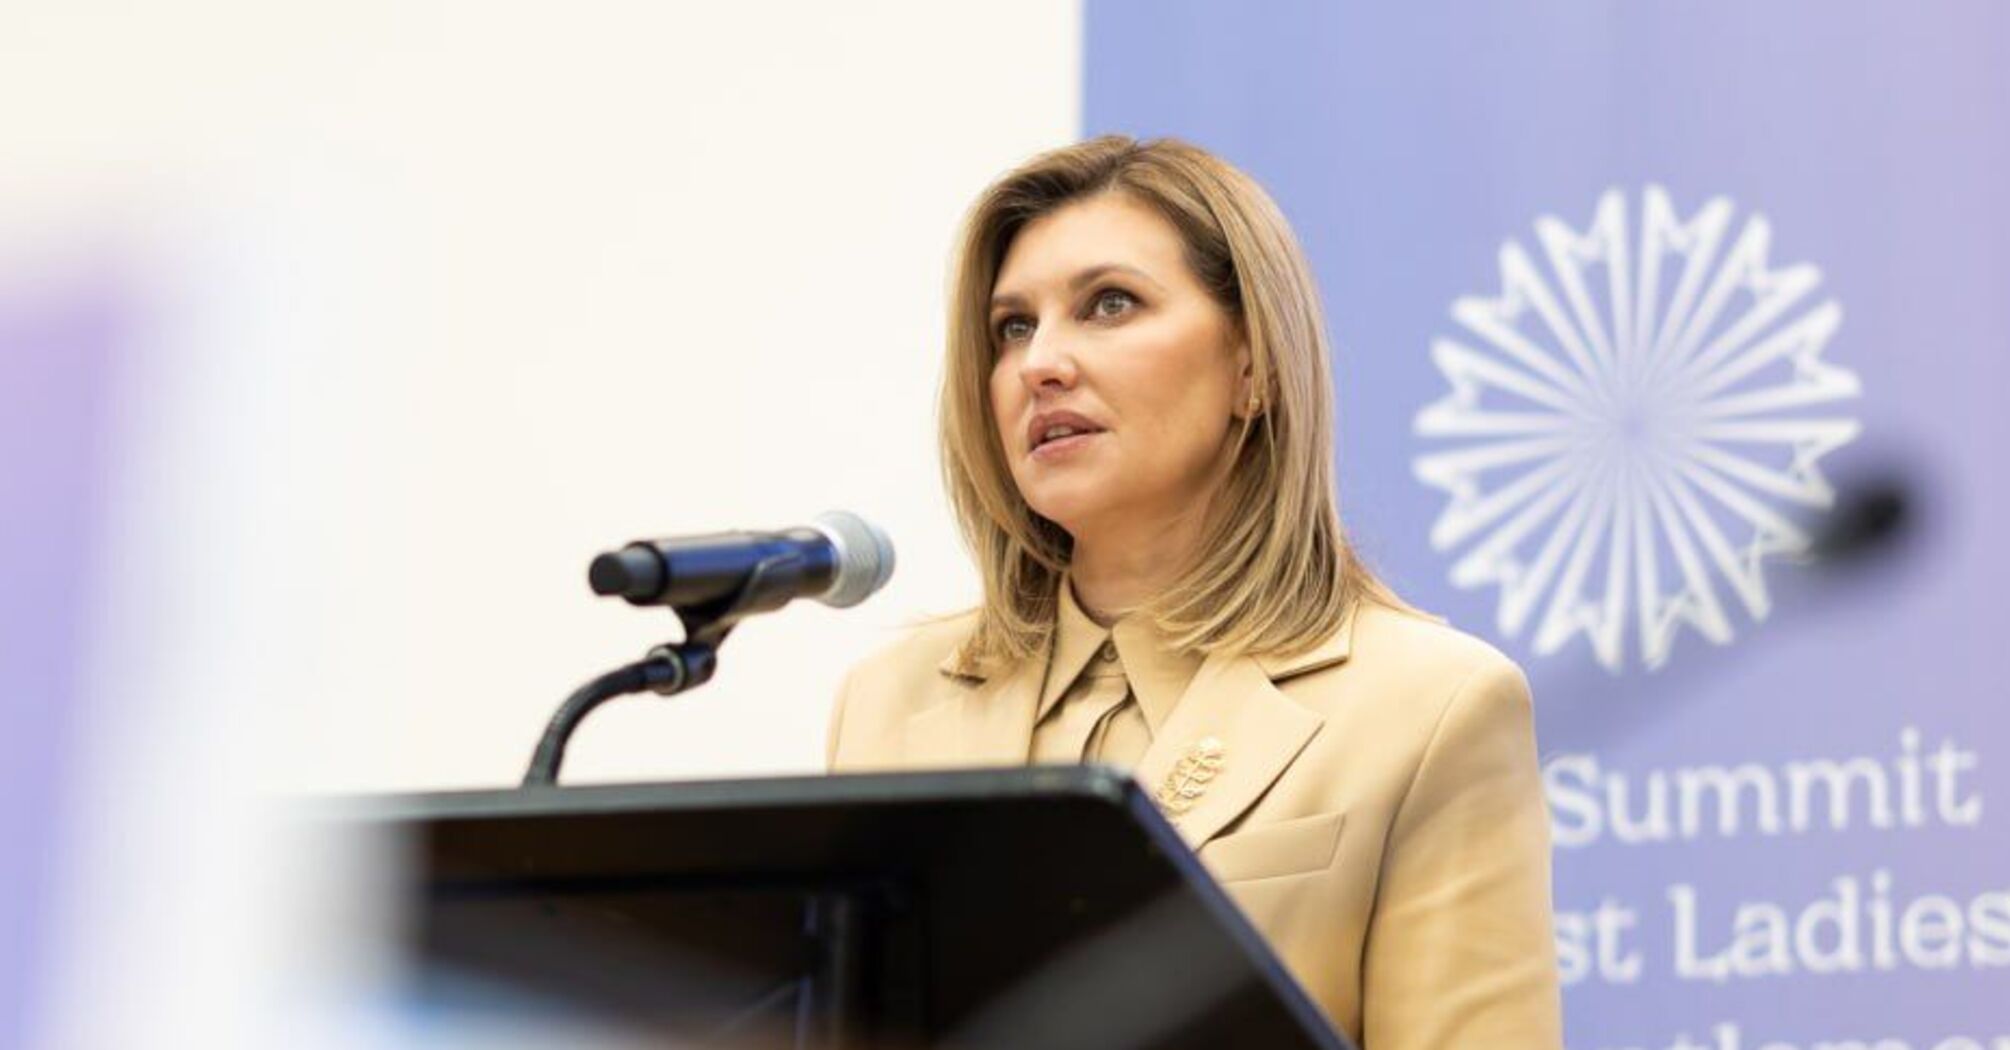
[{"x": 864, "y": 557}]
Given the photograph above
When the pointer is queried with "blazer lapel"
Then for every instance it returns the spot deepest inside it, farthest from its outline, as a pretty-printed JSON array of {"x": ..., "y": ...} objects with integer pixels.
[
  {"x": 1233, "y": 702},
  {"x": 1255, "y": 729},
  {"x": 986, "y": 724}
]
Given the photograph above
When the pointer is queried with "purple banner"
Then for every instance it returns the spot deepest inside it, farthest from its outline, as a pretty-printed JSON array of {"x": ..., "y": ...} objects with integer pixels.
[{"x": 1672, "y": 362}]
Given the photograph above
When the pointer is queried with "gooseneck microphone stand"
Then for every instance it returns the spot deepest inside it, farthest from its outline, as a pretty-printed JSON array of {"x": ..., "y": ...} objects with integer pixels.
[
  {"x": 672, "y": 667},
  {"x": 824, "y": 1003}
]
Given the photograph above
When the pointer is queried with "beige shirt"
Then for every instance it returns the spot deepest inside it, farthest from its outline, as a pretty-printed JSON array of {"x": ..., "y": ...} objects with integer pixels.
[{"x": 1108, "y": 690}]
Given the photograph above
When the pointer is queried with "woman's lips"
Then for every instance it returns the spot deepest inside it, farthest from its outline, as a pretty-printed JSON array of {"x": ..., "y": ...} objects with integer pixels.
[{"x": 1063, "y": 448}]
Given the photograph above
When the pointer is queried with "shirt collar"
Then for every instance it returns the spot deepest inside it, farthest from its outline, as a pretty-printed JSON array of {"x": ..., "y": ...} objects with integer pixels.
[
  {"x": 1158, "y": 674},
  {"x": 1077, "y": 638}
]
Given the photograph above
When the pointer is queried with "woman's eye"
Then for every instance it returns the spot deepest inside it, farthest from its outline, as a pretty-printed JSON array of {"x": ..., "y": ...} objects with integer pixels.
[
  {"x": 1014, "y": 329},
  {"x": 1113, "y": 303}
]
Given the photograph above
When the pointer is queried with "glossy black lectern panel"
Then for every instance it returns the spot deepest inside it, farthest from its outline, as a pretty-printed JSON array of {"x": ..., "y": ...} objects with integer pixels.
[{"x": 1048, "y": 907}]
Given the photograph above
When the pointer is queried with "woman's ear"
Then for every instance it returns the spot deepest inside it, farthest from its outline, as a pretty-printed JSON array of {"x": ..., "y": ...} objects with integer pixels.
[{"x": 1248, "y": 395}]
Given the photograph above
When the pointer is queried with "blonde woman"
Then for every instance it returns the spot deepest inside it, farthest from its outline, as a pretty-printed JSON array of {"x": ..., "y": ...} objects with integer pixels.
[{"x": 1136, "y": 428}]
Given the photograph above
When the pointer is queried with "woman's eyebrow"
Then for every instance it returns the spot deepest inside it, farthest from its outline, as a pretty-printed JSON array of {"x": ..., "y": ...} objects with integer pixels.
[
  {"x": 1082, "y": 277},
  {"x": 1007, "y": 301},
  {"x": 1095, "y": 273}
]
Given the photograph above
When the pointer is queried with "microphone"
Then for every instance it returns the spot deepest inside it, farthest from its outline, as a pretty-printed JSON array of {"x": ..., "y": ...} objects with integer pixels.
[
  {"x": 712, "y": 582},
  {"x": 839, "y": 559}
]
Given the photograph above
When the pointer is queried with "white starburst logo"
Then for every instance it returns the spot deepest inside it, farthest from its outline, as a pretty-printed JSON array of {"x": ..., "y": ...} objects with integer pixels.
[{"x": 1636, "y": 425}]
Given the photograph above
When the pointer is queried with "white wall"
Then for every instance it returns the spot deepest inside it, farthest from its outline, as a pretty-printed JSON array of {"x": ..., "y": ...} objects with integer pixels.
[
  {"x": 456, "y": 296},
  {"x": 443, "y": 299}
]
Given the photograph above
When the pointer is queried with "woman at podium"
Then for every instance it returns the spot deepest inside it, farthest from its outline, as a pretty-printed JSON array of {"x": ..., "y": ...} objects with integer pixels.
[{"x": 1137, "y": 437}]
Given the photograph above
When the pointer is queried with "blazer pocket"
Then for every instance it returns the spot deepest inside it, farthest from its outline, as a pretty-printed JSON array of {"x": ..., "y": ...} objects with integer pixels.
[{"x": 1286, "y": 847}]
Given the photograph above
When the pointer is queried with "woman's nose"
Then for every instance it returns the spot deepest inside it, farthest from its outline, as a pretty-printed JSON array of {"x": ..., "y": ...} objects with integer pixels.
[{"x": 1049, "y": 362}]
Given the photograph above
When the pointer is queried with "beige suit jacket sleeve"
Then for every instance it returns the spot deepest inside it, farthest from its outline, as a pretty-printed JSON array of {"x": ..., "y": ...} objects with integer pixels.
[{"x": 1459, "y": 950}]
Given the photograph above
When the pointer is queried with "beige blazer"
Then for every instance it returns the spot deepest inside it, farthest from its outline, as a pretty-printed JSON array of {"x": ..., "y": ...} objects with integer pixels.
[{"x": 1378, "y": 811}]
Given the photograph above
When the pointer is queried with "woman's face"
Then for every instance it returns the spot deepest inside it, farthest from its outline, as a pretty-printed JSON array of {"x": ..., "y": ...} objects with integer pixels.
[{"x": 1119, "y": 379}]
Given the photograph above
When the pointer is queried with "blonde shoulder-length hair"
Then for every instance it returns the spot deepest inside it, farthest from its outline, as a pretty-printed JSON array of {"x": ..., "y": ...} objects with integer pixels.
[{"x": 1274, "y": 572}]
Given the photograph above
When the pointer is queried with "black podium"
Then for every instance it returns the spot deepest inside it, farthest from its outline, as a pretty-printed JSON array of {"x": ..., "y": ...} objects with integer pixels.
[{"x": 1050, "y": 907}]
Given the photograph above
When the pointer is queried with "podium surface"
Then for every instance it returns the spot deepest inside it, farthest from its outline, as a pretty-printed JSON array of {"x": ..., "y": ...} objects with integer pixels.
[{"x": 1046, "y": 907}]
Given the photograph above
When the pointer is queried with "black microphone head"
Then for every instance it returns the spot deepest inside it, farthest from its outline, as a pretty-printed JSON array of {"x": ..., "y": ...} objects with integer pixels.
[
  {"x": 864, "y": 557},
  {"x": 633, "y": 572}
]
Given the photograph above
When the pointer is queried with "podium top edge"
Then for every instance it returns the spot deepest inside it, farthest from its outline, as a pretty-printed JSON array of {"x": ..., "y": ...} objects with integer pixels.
[{"x": 1093, "y": 783}]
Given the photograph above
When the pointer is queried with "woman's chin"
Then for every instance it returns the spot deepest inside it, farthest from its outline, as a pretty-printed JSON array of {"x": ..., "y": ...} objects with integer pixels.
[
  {"x": 1064, "y": 509},
  {"x": 1075, "y": 508}
]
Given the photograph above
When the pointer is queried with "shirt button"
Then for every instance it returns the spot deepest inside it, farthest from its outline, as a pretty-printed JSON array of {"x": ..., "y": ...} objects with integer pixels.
[{"x": 1109, "y": 650}]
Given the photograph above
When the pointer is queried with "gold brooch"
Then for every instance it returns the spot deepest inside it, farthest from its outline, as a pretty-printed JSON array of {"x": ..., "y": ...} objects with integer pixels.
[{"x": 1190, "y": 776}]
